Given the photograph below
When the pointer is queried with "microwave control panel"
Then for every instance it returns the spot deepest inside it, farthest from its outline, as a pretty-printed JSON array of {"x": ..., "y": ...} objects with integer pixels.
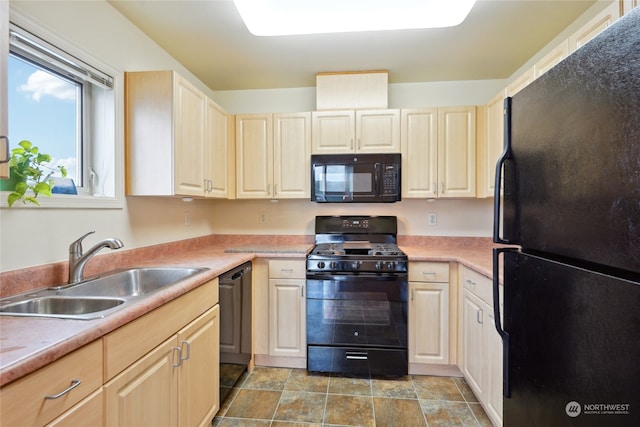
[{"x": 390, "y": 180}]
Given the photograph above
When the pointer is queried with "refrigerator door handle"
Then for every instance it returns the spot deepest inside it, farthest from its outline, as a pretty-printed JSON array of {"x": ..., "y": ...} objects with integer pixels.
[
  {"x": 506, "y": 154},
  {"x": 506, "y": 387}
]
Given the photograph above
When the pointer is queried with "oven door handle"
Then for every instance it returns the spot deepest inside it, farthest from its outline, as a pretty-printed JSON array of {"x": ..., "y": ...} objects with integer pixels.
[{"x": 352, "y": 355}]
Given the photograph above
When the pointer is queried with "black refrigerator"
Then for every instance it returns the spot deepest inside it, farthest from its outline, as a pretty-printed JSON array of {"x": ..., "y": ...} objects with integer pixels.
[{"x": 571, "y": 207}]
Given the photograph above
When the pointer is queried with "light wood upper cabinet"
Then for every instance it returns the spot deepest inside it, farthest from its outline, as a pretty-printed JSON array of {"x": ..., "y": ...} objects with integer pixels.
[
  {"x": 551, "y": 59},
  {"x": 292, "y": 154},
  {"x": 439, "y": 152},
  {"x": 521, "y": 82},
  {"x": 359, "y": 131},
  {"x": 457, "y": 151},
  {"x": 595, "y": 26},
  {"x": 219, "y": 153},
  {"x": 171, "y": 131},
  {"x": 419, "y": 137},
  {"x": 491, "y": 146},
  {"x": 272, "y": 155},
  {"x": 190, "y": 139}
]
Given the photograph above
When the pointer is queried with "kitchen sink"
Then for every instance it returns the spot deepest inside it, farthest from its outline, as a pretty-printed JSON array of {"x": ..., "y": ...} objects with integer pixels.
[
  {"x": 131, "y": 282},
  {"x": 62, "y": 306},
  {"x": 98, "y": 296}
]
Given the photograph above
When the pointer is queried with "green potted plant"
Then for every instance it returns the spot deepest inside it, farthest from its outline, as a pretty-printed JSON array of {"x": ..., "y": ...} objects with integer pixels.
[{"x": 29, "y": 174}]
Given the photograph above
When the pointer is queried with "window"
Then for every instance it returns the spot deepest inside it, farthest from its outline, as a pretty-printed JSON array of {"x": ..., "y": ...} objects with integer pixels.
[{"x": 66, "y": 107}]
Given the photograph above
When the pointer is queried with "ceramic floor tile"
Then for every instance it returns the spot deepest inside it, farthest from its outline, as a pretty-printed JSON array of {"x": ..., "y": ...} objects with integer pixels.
[
  {"x": 350, "y": 385},
  {"x": 295, "y": 424},
  {"x": 466, "y": 391},
  {"x": 399, "y": 388},
  {"x": 302, "y": 380},
  {"x": 398, "y": 412},
  {"x": 267, "y": 378},
  {"x": 230, "y": 373},
  {"x": 436, "y": 388},
  {"x": 240, "y": 422},
  {"x": 480, "y": 415},
  {"x": 226, "y": 401},
  {"x": 256, "y": 404},
  {"x": 301, "y": 406},
  {"x": 447, "y": 414},
  {"x": 349, "y": 410}
]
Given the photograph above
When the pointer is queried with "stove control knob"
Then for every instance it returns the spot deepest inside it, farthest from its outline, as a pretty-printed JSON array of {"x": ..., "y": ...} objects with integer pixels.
[
  {"x": 378, "y": 265},
  {"x": 321, "y": 264},
  {"x": 391, "y": 265},
  {"x": 333, "y": 265},
  {"x": 355, "y": 265}
]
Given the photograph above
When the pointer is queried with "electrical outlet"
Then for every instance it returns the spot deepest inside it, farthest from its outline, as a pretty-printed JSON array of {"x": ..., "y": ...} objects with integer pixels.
[
  {"x": 432, "y": 219},
  {"x": 262, "y": 217},
  {"x": 187, "y": 218}
]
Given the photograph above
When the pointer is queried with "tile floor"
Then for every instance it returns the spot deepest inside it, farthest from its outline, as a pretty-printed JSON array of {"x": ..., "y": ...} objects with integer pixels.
[{"x": 293, "y": 397}]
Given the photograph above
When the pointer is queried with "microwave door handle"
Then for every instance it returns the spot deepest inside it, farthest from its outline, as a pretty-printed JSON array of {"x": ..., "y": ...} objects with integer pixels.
[{"x": 377, "y": 178}]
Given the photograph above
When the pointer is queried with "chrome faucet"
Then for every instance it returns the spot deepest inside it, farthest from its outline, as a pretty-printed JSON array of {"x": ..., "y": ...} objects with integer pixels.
[{"x": 77, "y": 259}]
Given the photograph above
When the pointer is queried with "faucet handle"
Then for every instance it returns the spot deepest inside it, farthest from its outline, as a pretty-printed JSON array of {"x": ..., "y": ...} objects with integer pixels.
[{"x": 76, "y": 246}]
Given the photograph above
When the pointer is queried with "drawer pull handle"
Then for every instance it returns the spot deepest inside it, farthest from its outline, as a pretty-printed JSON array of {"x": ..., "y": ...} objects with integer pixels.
[
  {"x": 178, "y": 352},
  {"x": 471, "y": 282},
  {"x": 188, "y": 352},
  {"x": 286, "y": 270},
  {"x": 430, "y": 273},
  {"x": 74, "y": 384}
]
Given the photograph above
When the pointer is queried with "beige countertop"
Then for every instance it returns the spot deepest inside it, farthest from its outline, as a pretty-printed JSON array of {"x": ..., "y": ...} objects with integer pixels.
[{"x": 29, "y": 343}]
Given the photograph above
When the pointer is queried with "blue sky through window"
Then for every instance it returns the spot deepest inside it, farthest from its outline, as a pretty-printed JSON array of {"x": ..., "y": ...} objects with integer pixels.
[{"x": 43, "y": 110}]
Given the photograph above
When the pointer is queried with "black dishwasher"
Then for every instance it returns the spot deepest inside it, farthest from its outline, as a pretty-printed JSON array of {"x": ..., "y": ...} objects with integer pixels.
[{"x": 235, "y": 325}]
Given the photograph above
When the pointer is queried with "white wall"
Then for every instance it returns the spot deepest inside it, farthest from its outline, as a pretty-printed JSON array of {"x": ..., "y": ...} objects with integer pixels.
[{"x": 36, "y": 236}]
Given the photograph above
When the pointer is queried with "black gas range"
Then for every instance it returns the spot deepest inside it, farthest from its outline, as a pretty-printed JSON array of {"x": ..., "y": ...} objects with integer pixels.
[
  {"x": 357, "y": 297},
  {"x": 356, "y": 244}
]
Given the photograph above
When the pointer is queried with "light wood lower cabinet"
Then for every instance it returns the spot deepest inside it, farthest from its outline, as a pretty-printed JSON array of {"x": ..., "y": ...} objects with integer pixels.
[
  {"x": 481, "y": 344},
  {"x": 88, "y": 413},
  {"x": 32, "y": 401},
  {"x": 287, "y": 308},
  {"x": 176, "y": 384}
]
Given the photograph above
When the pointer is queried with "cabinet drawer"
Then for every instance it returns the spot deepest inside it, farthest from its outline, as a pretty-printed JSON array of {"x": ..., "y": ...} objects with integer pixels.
[
  {"x": 429, "y": 272},
  {"x": 287, "y": 269},
  {"x": 23, "y": 402},
  {"x": 478, "y": 284}
]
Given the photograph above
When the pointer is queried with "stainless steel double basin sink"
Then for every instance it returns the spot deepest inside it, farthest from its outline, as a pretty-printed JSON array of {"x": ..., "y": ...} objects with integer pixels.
[{"x": 96, "y": 297}]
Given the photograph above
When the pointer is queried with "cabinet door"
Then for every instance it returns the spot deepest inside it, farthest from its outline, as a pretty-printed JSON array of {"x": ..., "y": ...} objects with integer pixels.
[
  {"x": 429, "y": 323},
  {"x": 493, "y": 146},
  {"x": 419, "y": 137},
  {"x": 217, "y": 151},
  {"x": 595, "y": 26},
  {"x": 457, "y": 151},
  {"x": 199, "y": 395},
  {"x": 472, "y": 342},
  {"x": 287, "y": 323},
  {"x": 190, "y": 139},
  {"x": 552, "y": 58},
  {"x": 146, "y": 393},
  {"x": 378, "y": 131},
  {"x": 493, "y": 356},
  {"x": 292, "y": 152},
  {"x": 254, "y": 156},
  {"x": 333, "y": 132}
]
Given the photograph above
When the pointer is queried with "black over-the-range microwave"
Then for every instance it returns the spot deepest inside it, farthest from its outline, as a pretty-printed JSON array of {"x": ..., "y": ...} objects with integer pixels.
[{"x": 355, "y": 178}]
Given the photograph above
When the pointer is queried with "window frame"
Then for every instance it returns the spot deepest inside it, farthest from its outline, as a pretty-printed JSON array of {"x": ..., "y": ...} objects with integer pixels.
[{"x": 88, "y": 198}]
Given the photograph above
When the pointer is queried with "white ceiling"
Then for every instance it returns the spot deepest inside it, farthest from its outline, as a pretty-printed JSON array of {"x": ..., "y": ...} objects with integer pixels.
[{"x": 209, "y": 38}]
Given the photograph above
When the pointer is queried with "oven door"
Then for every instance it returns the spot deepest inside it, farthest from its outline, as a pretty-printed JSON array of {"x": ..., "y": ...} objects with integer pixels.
[{"x": 362, "y": 310}]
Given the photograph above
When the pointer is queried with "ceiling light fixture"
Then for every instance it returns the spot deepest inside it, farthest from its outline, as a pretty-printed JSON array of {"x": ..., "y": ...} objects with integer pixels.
[{"x": 289, "y": 17}]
